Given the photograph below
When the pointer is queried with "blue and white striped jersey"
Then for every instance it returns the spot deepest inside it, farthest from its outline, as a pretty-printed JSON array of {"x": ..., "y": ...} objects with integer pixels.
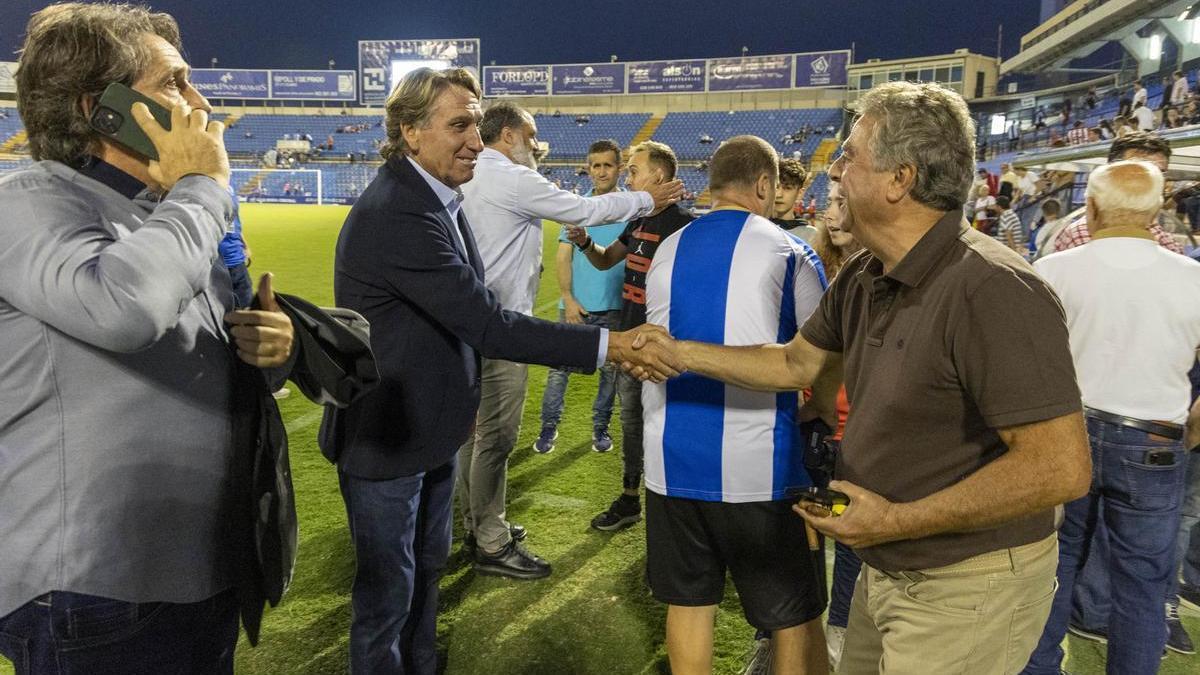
[{"x": 731, "y": 278}]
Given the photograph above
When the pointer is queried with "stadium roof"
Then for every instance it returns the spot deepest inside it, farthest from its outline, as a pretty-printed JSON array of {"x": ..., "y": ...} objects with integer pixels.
[{"x": 1085, "y": 26}]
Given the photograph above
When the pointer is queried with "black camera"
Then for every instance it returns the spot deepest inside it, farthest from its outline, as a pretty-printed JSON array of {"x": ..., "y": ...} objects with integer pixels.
[
  {"x": 107, "y": 121},
  {"x": 820, "y": 451}
]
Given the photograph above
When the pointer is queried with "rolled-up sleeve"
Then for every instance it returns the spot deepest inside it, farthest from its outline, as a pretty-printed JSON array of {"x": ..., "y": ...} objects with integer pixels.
[{"x": 64, "y": 266}]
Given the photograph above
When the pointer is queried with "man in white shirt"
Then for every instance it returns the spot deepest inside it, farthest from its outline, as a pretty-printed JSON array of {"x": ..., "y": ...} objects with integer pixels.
[
  {"x": 1179, "y": 90},
  {"x": 1143, "y": 116},
  {"x": 1134, "y": 329},
  {"x": 505, "y": 204},
  {"x": 1139, "y": 93}
]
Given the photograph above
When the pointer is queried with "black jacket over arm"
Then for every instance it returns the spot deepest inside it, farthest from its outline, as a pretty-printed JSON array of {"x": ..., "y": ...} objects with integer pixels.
[{"x": 400, "y": 265}]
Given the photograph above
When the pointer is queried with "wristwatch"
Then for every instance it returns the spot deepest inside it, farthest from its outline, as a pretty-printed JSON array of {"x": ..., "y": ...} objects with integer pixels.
[{"x": 585, "y": 245}]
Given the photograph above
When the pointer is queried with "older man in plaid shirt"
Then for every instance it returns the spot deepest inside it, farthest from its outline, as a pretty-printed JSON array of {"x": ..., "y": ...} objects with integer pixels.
[{"x": 1142, "y": 145}]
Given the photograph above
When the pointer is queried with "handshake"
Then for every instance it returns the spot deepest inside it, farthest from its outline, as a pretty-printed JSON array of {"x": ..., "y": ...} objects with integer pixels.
[{"x": 647, "y": 352}]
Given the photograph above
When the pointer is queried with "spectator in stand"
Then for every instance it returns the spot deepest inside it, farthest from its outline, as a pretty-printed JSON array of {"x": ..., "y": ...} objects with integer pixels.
[
  {"x": 1139, "y": 94},
  {"x": 1008, "y": 226},
  {"x": 1014, "y": 135},
  {"x": 984, "y": 204},
  {"x": 1078, "y": 134},
  {"x": 788, "y": 195},
  {"x": 1125, "y": 106},
  {"x": 1176, "y": 94},
  {"x": 1143, "y": 117},
  {"x": 1133, "y": 378},
  {"x": 1049, "y": 228},
  {"x": 1066, "y": 111},
  {"x": 1008, "y": 180},
  {"x": 1094, "y": 135},
  {"x": 1027, "y": 185},
  {"x": 1191, "y": 112},
  {"x": 1144, "y": 146},
  {"x": 1090, "y": 99},
  {"x": 705, "y": 138},
  {"x": 991, "y": 180},
  {"x": 650, "y": 163},
  {"x": 1126, "y": 126},
  {"x": 1172, "y": 119},
  {"x": 1107, "y": 133},
  {"x": 589, "y": 296}
]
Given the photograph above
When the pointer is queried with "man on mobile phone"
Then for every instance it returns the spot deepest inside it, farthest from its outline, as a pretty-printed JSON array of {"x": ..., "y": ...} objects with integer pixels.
[
  {"x": 122, "y": 533},
  {"x": 1134, "y": 331}
]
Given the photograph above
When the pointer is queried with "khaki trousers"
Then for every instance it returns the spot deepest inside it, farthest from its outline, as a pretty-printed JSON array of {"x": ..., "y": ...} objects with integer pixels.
[
  {"x": 981, "y": 616},
  {"x": 483, "y": 459}
]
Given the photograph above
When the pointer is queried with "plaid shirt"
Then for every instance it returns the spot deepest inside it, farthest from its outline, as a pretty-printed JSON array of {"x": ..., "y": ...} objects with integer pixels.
[{"x": 1076, "y": 234}]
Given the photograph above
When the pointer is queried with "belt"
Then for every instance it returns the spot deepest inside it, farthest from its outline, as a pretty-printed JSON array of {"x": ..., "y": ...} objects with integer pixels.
[{"x": 1167, "y": 430}]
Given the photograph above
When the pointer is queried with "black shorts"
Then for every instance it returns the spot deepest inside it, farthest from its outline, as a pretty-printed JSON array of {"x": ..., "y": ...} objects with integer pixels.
[{"x": 690, "y": 544}]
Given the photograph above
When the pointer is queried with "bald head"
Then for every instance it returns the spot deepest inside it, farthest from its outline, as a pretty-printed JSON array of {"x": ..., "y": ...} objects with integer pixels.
[{"x": 1125, "y": 193}]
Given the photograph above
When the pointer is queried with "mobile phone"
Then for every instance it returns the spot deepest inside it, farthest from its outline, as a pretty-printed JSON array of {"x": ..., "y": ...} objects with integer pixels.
[
  {"x": 833, "y": 500},
  {"x": 1159, "y": 458},
  {"x": 113, "y": 117}
]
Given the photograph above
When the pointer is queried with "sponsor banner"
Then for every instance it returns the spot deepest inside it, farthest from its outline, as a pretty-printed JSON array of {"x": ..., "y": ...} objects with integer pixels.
[
  {"x": 314, "y": 85},
  {"x": 8, "y": 77},
  {"x": 226, "y": 83},
  {"x": 588, "y": 78},
  {"x": 647, "y": 77},
  {"x": 516, "y": 81},
  {"x": 823, "y": 69},
  {"x": 299, "y": 199},
  {"x": 381, "y": 61},
  {"x": 750, "y": 72}
]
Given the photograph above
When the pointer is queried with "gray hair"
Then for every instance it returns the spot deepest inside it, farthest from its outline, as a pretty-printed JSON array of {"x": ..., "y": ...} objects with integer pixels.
[
  {"x": 411, "y": 102},
  {"x": 929, "y": 128},
  {"x": 498, "y": 117},
  {"x": 72, "y": 51},
  {"x": 1128, "y": 192}
]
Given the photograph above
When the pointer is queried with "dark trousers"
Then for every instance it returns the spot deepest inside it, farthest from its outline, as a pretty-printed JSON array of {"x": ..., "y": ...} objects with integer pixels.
[
  {"x": 401, "y": 532},
  {"x": 629, "y": 389},
  {"x": 846, "y": 567},
  {"x": 63, "y": 633}
]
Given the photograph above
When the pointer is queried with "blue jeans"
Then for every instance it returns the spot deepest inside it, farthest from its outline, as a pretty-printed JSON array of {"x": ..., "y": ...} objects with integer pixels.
[
  {"x": 401, "y": 533},
  {"x": 1141, "y": 505},
  {"x": 1188, "y": 548},
  {"x": 846, "y": 567},
  {"x": 61, "y": 633},
  {"x": 556, "y": 382}
]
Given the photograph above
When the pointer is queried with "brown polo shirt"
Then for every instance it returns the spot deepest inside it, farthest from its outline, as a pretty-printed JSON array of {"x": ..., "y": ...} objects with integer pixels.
[{"x": 960, "y": 339}]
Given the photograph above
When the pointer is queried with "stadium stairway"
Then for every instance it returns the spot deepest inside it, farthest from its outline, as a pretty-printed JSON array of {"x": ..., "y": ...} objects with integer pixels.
[
  {"x": 16, "y": 140},
  {"x": 823, "y": 155},
  {"x": 252, "y": 183},
  {"x": 647, "y": 130}
]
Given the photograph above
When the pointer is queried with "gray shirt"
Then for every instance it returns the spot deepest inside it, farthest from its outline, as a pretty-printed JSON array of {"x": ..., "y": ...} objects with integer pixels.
[{"x": 115, "y": 385}]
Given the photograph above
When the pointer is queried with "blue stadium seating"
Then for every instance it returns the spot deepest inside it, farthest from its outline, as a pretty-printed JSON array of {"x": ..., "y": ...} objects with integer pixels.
[
  {"x": 682, "y": 131},
  {"x": 264, "y": 130},
  {"x": 569, "y": 140}
]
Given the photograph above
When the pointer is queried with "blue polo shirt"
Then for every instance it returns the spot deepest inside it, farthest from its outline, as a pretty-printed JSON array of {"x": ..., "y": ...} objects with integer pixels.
[{"x": 597, "y": 290}]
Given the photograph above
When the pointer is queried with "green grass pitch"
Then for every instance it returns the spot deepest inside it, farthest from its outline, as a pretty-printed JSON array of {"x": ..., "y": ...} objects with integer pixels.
[{"x": 593, "y": 615}]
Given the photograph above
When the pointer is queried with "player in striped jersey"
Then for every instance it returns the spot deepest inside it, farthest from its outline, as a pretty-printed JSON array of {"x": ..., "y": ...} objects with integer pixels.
[{"x": 720, "y": 459}]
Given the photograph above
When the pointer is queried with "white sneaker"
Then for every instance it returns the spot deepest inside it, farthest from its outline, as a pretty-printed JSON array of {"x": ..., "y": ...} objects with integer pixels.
[
  {"x": 283, "y": 392},
  {"x": 835, "y": 637}
]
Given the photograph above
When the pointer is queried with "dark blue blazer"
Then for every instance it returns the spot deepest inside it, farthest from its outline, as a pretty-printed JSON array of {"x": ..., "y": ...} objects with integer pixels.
[{"x": 400, "y": 265}]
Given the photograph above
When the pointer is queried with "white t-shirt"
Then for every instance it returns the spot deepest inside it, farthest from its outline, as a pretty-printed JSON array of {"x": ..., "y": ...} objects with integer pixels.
[
  {"x": 1139, "y": 96},
  {"x": 1134, "y": 324},
  {"x": 1145, "y": 119},
  {"x": 1179, "y": 91}
]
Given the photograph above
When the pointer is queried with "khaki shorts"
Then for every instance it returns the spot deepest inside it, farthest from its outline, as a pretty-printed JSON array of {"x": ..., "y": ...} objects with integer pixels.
[{"x": 980, "y": 616}]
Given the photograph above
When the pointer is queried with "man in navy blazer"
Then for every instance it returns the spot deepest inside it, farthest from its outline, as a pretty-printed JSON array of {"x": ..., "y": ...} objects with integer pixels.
[{"x": 406, "y": 260}]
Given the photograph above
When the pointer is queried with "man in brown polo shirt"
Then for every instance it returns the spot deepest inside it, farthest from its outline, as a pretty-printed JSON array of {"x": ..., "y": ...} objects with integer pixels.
[{"x": 967, "y": 428}]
